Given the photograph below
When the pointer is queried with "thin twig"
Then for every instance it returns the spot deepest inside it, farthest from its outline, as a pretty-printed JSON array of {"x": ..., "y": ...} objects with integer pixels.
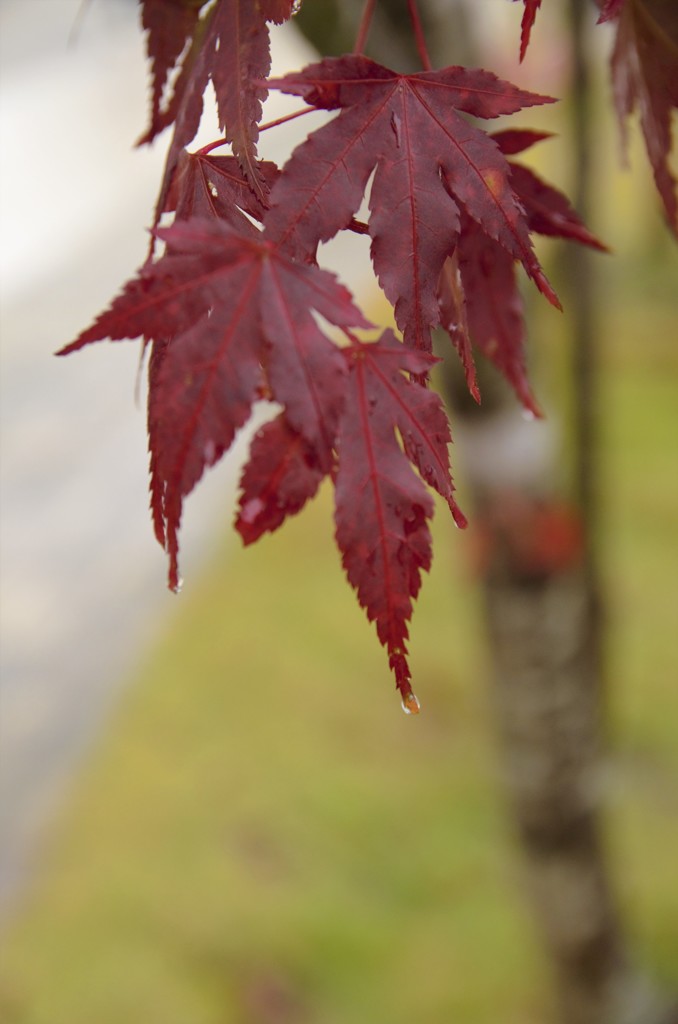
[
  {"x": 287, "y": 117},
  {"x": 262, "y": 128},
  {"x": 419, "y": 35},
  {"x": 212, "y": 145},
  {"x": 364, "y": 27}
]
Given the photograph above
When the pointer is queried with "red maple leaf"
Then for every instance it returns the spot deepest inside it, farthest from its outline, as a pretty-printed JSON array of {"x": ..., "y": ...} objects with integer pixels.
[
  {"x": 169, "y": 25},
  {"x": 478, "y": 292},
  {"x": 282, "y": 473},
  {"x": 214, "y": 186},
  {"x": 229, "y": 47},
  {"x": 430, "y": 164},
  {"x": 645, "y": 76},
  {"x": 382, "y": 505},
  {"x": 231, "y": 320}
]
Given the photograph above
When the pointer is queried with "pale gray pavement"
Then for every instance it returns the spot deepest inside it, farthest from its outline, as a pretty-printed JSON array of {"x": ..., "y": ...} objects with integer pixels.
[{"x": 82, "y": 579}]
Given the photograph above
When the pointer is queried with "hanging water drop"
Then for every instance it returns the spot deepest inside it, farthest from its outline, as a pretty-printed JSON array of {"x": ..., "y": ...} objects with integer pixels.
[
  {"x": 296, "y": 7},
  {"x": 178, "y": 586},
  {"x": 410, "y": 704},
  {"x": 528, "y": 414}
]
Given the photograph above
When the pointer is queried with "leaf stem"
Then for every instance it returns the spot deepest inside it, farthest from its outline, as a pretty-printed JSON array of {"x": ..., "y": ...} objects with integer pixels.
[
  {"x": 364, "y": 27},
  {"x": 286, "y": 117},
  {"x": 419, "y": 35},
  {"x": 262, "y": 128},
  {"x": 212, "y": 145}
]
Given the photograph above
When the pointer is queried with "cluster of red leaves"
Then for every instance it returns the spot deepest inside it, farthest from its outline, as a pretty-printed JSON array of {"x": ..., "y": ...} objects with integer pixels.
[{"x": 231, "y": 308}]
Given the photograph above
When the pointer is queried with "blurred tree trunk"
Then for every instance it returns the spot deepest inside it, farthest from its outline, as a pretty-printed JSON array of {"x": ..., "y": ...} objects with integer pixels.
[
  {"x": 544, "y": 618},
  {"x": 540, "y": 578}
]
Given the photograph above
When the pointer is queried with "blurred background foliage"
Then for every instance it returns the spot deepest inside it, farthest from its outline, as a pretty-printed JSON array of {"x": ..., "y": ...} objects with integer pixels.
[{"x": 262, "y": 837}]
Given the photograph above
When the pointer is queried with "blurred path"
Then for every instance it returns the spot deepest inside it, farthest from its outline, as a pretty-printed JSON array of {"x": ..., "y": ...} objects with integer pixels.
[
  {"x": 82, "y": 579},
  {"x": 76, "y": 578}
]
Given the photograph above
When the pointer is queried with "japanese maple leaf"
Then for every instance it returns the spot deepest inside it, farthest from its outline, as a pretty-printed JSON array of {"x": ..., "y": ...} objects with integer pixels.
[
  {"x": 214, "y": 186},
  {"x": 231, "y": 320},
  {"x": 429, "y": 164},
  {"x": 229, "y": 47},
  {"x": 282, "y": 473},
  {"x": 168, "y": 24},
  {"x": 645, "y": 75},
  {"x": 481, "y": 305},
  {"x": 478, "y": 291},
  {"x": 382, "y": 505},
  {"x": 529, "y": 14},
  {"x": 548, "y": 211}
]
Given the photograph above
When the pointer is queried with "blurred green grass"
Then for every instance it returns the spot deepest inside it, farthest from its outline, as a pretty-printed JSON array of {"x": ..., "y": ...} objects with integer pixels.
[
  {"x": 263, "y": 837},
  {"x": 262, "y": 816}
]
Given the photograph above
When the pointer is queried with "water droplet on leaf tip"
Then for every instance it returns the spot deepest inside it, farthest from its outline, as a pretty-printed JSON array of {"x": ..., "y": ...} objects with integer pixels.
[
  {"x": 410, "y": 704},
  {"x": 178, "y": 586},
  {"x": 528, "y": 414}
]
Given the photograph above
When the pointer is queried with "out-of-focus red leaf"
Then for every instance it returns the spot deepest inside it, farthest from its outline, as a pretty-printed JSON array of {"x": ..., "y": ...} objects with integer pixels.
[
  {"x": 645, "y": 77},
  {"x": 479, "y": 297},
  {"x": 229, "y": 47},
  {"x": 609, "y": 9},
  {"x": 494, "y": 309},
  {"x": 169, "y": 25},
  {"x": 529, "y": 14},
  {"x": 533, "y": 538},
  {"x": 548, "y": 211},
  {"x": 512, "y": 141}
]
